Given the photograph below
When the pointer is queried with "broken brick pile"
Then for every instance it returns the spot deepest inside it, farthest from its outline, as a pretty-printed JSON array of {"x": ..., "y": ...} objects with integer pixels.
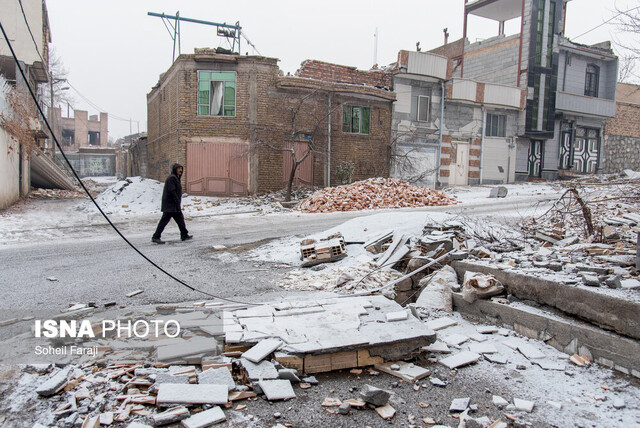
[{"x": 371, "y": 194}]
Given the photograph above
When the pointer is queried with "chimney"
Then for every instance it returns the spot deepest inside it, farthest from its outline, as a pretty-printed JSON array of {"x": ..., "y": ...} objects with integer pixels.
[{"x": 446, "y": 35}]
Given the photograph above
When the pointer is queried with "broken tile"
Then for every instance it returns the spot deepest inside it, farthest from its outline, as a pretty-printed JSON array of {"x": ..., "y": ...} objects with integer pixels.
[
  {"x": 455, "y": 339},
  {"x": 289, "y": 374},
  {"x": 205, "y": 419},
  {"x": 169, "y": 378},
  {"x": 618, "y": 403},
  {"x": 405, "y": 371},
  {"x": 440, "y": 323},
  {"x": 356, "y": 402},
  {"x": 483, "y": 348},
  {"x": 477, "y": 337},
  {"x": 169, "y": 393},
  {"x": 499, "y": 402},
  {"x": 459, "y": 405},
  {"x": 331, "y": 402},
  {"x": 530, "y": 351},
  {"x": 263, "y": 370},
  {"x": 461, "y": 359},
  {"x": 279, "y": 389},
  {"x": 386, "y": 411},
  {"x": 260, "y": 351},
  {"x": 437, "y": 382},
  {"x": 523, "y": 405},
  {"x": 221, "y": 376},
  {"x": 182, "y": 349},
  {"x": 397, "y": 316},
  {"x": 550, "y": 364},
  {"x": 555, "y": 404},
  {"x": 50, "y": 386},
  {"x": 438, "y": 346},
  {"x": 170, "y": 416}
]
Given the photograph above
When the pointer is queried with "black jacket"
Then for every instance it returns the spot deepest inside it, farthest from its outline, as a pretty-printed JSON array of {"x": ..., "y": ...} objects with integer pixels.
[{"x": 172, "y": 192}]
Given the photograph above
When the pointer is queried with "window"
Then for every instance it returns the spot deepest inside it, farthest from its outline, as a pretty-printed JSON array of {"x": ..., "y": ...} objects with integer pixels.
[
  {"x": 94, "y": 138},
  {"x": 496, "y": 125},
  {"x": 216, "y": 93},
  {"x": 356, "y": 119},
  {"x": 423, "y": 108},
  {"x": 591, "y": 81}
]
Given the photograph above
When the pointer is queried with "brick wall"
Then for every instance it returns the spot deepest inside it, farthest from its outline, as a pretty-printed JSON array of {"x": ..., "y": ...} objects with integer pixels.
[
  {"x": 264, "y": 118},
  {"x": 626, "y": 122},
  {"x": 343, "y": 74}
]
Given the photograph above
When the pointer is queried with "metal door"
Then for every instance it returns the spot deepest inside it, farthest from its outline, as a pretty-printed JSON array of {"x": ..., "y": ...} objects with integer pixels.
[
  {"x": 304, "y": 172},
  {"x": 459, "y": 175},
  {"x": 536, "y": 157},
  {"x": 217, "y": 169},
  {"x": 586, "y": 153}
]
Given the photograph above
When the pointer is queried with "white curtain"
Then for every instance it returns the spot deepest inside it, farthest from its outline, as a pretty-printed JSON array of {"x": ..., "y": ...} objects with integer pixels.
[{"x": 217, "y": 92}]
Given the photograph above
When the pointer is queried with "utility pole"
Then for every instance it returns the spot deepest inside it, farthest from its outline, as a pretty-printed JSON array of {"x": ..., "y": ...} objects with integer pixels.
[{"x": 53, "y": 143}]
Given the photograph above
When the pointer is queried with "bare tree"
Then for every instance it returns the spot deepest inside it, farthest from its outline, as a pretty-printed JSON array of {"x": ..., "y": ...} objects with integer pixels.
[
  {"x": 628, "y": 24},
  {"x": 58, "y": 75}
]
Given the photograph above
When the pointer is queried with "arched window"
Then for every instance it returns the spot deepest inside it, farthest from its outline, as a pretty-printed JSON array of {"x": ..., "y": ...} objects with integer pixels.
[{"x": 591, "y": 80}]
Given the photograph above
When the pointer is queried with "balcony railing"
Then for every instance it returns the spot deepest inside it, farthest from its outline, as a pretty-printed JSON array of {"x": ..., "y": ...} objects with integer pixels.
[{"x": 572, "y": 103}]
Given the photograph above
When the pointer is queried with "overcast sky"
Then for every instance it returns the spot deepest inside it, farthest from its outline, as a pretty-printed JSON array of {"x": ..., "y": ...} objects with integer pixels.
[{"x": 114, "y": 52}]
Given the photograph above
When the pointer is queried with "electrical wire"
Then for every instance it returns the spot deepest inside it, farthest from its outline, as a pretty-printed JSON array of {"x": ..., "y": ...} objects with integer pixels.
[{"x": 75, "y": 174}]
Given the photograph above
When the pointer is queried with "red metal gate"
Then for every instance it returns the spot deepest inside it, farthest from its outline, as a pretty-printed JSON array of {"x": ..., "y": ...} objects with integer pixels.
[
  {"x": 217, "y": 169},
  {"x": 304, "y": 172}
]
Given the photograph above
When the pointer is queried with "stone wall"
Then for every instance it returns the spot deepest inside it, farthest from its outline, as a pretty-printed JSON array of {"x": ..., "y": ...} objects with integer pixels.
[{"x": 620, "y": 153}]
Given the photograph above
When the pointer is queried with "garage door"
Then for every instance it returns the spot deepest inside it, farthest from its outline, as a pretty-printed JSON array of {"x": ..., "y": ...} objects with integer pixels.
[{"x": 217, "y": 169}]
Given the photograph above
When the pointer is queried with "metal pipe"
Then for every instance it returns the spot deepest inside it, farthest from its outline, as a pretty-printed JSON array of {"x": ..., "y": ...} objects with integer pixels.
[
  {"x": 442, "y": 97},
  {"x": 328, "y": 180},
  {"x": 484, "y": 126},
  {"x": 197, "y": 21}
]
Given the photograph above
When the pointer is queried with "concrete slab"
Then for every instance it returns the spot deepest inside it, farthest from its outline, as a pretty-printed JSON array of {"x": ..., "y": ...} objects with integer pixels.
[
  {"x": 260, "y": 351},
  {"x": 438, "y": 347},
  {"x": 550, "y": 364},
  {"x": 279, "y": 389},
  {"x": 205, "y": 419},
  {"x": 455, "y": 339},
  {"x": 50, "y": 386},
  {"x": 397, "y": 316},
  {"x": 496, "y": 358},
  {"x": 406, "y": 371},
  {"x": 483, "y": 348},
  {"x": 170, "y": 394},
  {"x": 440, "y": 323},
  {"x": 530, "y": 351},
  {"x": 461, "y": 359},
  {"x": 221, "y": 376},
  {"x": 169, "y": 378},
  {"x": 263, "y": 370},
  {"x": 605, "y": 309},
  {"x": 183, "y": 349}
]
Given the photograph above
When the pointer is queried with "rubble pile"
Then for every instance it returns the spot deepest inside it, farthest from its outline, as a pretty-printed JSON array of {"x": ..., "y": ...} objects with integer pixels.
[
  {"x": 56, "y": 194},
  {"x": 373, "y": 193}
]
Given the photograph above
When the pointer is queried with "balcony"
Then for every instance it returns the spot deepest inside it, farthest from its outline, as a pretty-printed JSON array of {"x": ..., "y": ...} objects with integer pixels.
[
  {"x": 427, "y": 64},
  {"x": 580, "y": 104},
  {"x": 487, "y": 93}
]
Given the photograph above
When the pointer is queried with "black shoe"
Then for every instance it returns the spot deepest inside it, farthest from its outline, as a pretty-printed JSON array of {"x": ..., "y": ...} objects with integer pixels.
[
  {"x": 187, "y": 237},
  {"x": 157, "y": 240}
]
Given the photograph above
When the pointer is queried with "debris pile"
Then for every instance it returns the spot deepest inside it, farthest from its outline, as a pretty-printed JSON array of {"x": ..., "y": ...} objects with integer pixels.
[
  {"x": 373, "y": 193},
  {"x": 56, "y": 194}
]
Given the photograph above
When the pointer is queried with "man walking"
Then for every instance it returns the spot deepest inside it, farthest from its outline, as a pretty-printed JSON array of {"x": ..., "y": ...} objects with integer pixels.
[{"x": 171, "y": 199}]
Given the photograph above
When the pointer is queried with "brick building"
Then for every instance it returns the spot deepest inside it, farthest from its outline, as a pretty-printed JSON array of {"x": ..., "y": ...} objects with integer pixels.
[
  {"x": 81, "y": 130},
  {"x": 621, "y": 148},
  {"x": 234, "y": 121}
]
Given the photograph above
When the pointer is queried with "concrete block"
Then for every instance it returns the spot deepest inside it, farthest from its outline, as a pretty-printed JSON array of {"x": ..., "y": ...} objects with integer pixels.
[
  {"x": 170, "y": 416},
  {"x": 499, "y": 192},
  {"x": 221, "y": 376},
  {"x": 375, "y": 396},
  {"x": 205, "y": 419},
  {"x": 279, "y": 389},
  {"x": 169, "y": 394}
]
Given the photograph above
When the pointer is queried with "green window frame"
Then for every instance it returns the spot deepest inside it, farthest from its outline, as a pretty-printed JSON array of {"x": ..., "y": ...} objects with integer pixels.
[
  {"x": 356, "y": 119},
  {"x": 216, "y": 93}
]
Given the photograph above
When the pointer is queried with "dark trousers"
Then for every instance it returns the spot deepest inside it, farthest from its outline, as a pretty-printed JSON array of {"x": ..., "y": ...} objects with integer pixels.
[{"x": 166, "y": 217}]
